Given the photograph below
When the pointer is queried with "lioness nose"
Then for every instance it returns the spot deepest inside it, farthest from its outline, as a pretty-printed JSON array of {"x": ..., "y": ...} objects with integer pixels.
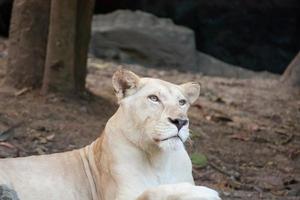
[{"x": 179, "y": 123}]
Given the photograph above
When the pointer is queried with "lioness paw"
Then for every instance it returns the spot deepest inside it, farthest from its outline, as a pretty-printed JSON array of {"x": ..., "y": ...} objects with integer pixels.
[
  {"x": 191, "y": 192},
  {"x": 204, "y": 193}
]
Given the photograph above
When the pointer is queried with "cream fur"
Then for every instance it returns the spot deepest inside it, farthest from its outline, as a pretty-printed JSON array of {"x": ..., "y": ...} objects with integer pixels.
[{"x": 131, "y": 160}]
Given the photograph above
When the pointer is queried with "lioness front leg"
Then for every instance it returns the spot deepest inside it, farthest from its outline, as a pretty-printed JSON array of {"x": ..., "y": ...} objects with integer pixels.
[{"x": 182, "y": 191}]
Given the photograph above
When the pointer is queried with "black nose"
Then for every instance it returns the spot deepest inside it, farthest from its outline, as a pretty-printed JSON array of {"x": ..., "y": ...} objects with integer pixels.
[{"x": 179, "y": 123}]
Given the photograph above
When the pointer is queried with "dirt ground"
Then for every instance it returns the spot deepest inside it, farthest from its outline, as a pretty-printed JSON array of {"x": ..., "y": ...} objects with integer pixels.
[{"x": 247, "y": 132}]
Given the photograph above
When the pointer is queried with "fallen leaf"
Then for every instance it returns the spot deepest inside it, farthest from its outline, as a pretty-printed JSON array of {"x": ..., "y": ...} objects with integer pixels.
[
  {"x": 50, "y": 137},
  {"x": 5, "y": 135}
]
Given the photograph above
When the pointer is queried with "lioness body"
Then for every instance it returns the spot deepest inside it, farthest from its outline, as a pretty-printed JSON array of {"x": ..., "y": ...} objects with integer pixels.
[
  {"x": 46, "y": 177},
  {"x": 75, "y": 175},
  {"x": 140, "y": 154}
]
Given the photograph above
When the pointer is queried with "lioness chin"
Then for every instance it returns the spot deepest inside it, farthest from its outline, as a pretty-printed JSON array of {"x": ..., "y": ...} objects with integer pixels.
[{"x": 140, "y": 154}]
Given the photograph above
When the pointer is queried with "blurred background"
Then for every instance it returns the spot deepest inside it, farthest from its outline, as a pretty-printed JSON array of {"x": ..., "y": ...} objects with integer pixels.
[
  {"x": 258, "y": 35},
  {"x": 57, "y": 59}
]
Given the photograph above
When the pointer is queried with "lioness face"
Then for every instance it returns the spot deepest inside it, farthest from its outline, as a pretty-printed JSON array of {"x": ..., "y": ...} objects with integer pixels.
[{"x": 155, "y": 109}]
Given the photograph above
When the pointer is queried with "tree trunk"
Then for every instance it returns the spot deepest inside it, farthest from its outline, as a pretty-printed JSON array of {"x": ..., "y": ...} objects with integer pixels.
[
  {"x": 85, "y": 10},
  {"x": 291, "y": 76},
  {"x": 27, "y": 43},
  {"x": 68, "y": 41},
  {"x": 59, "y": 67}
]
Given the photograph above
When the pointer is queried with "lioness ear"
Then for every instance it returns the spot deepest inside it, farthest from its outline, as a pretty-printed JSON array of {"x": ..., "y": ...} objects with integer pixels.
[
  {"x": 125, "y": 83},
  {"x": 191, "y": 91}
]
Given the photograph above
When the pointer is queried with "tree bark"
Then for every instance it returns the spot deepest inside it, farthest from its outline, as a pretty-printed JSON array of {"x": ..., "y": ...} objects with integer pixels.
[
  {"x": 85, "y": 10},
  {"x": 27, "y": 43},
  {"x": 68, "y": 42},
  {"x": 59, "y": 67},
  {"x": 291, "y": 76}
]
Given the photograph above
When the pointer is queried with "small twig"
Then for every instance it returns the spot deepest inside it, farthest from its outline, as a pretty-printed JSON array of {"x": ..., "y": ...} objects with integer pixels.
[
  {"x": 22, "y": 91},
  {"x": 8, "y": 145},
  {"x": 234, "y": 175},
  {"x": 243, "y": 186}
]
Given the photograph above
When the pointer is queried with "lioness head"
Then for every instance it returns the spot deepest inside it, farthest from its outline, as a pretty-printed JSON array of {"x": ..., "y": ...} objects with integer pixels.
[{"x": 155, "y": 111}]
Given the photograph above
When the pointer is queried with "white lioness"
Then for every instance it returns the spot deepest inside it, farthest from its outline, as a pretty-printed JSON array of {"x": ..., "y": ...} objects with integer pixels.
[{"x": 140, "y": 154}]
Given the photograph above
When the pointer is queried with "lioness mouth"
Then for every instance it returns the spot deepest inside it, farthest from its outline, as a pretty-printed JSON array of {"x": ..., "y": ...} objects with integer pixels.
[{"x": 175, "y": 136}]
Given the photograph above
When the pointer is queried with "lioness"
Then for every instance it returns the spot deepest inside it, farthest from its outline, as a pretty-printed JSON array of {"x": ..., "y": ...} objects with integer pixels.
[{"x": 140, "y": 154}]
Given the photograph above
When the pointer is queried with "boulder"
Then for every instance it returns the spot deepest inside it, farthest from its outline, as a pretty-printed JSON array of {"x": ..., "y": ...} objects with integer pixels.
[
  {"x": 211, "y": 66},
  {"x": 142, "y": 38},
  {"x": 136, "y": 37}
]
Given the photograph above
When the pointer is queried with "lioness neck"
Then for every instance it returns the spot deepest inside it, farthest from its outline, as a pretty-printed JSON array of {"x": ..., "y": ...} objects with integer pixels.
[
  {"x": 117, "y": 136},
  {"x": 119, "y": 162}
]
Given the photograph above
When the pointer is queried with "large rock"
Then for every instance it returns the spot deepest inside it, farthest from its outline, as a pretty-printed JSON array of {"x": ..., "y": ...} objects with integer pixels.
[
  {"x": 211, "y": 66},
  {"x": 139, "y": 37}
]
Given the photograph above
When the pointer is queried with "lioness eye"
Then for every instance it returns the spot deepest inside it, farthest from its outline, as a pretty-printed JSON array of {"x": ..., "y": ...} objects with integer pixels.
[
  {"x": 182, "y": 102},
  {"x": 153, "y": 98}
]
